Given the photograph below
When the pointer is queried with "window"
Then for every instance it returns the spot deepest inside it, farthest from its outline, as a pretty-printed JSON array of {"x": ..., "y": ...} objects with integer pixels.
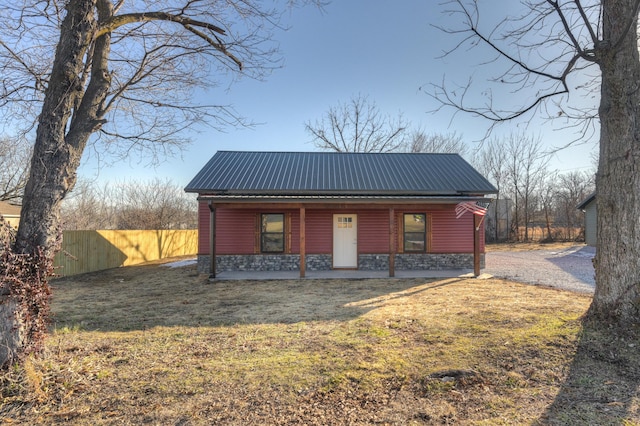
[
  {"x": 345, "y": 222},
  {"x": 272, "y": 233},
  {"x": 415, "y": 226}
]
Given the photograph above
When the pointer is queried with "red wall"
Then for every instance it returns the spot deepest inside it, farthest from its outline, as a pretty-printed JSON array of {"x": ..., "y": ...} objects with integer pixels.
[
  {"x": 451, "y": 235},
  {"x": 319, "y": 231},
  {"x": 236, "y": 230},
  {"x": 373, "y": 231},
  {"x": 203, "y": 228},
  {"x": 295, "y": 230}
]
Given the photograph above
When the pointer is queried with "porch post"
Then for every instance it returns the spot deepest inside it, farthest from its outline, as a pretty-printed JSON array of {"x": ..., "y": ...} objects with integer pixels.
[
  {"x": 392, "y": 242},
  {"x": 212, "y": 240},
  {"x": 476, "y": 244},
  {"x": 303, "y": 240}
]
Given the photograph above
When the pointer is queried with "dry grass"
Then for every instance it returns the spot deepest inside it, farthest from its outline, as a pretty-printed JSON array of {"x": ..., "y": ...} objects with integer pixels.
[{"x": 153, "y": 345}]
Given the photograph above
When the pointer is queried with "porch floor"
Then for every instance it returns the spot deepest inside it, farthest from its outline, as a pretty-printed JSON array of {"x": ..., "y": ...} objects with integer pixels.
[{"x": 339, "y": 274}]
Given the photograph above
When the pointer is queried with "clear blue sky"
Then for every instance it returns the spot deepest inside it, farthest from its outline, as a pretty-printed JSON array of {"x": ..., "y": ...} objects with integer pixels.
[{"x": 382, "y": 49}]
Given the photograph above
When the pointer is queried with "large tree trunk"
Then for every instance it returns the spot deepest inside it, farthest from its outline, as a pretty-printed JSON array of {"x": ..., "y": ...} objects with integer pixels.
[
  {"x": 69, "y": 116},
  {"x": 617, "y": 295},
  {"x": 52, "y": 166},
  {"x": 71, "y": 112}
]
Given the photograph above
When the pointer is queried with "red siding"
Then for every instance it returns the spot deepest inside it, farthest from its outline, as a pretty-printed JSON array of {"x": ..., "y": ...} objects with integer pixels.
[
  {"x": 319, "y": 231},
  {"x": 373, "y": 231},
  {"x": 229, "y": 239},
  {"x": 451, "y": 235},
  {"x": 236, "y": 230},
  {"x": 295, "y": 231},
  {"x": 203, "y": 228}
]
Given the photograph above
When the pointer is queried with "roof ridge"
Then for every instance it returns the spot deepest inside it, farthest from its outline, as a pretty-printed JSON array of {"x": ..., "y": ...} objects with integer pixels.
[{"x": 335, "y": 152}]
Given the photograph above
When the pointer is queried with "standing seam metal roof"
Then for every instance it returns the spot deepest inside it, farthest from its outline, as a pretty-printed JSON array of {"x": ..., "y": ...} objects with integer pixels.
[{"x": 243, "y": 172}]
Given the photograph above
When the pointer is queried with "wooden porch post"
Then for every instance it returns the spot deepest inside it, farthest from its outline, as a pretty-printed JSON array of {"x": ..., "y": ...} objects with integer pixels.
[
  {"x": 212, "y": 241},
  {"x": 303, "y": 239},
  {"x": 476, "y": 244},
  {"x": 392, "y": 242}
]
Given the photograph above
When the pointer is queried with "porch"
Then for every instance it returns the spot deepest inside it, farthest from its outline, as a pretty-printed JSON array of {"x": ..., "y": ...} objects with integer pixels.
[{"x": 340, "y": 274}]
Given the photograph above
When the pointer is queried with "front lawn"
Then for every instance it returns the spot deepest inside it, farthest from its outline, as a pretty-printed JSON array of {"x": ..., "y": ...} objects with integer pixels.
[{"x": 157, "y": 345}]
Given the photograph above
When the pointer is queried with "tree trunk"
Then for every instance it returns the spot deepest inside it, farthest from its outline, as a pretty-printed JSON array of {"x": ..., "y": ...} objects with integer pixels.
[
  {"x": 54, "y": 161},
  {"x": 11, "y": 329},
  {"x": 71, "y": 112},
  {"x": 617, "y": 294},
  {"x": 69, "y": 116},
  {"x": 547, "y": 219}
]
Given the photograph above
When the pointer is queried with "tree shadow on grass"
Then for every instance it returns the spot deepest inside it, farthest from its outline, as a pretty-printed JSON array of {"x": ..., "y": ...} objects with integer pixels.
[
  {"x": 143, "y": 297},
  {"x": 603, "y": 382}
]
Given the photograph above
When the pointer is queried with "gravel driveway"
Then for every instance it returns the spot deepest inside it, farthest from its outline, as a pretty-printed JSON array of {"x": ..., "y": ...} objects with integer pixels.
[{"x": 568, "y": 269}]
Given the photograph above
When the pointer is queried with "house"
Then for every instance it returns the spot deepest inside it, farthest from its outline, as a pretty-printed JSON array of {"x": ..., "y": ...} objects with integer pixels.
[
  {"x": 588, "y": 206},
  {"x": 10, "y": 213},
  {"x": 328, "y": 210}
]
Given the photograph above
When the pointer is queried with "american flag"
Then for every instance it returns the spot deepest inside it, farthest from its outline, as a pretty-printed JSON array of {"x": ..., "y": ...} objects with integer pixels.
[{"x": 478, "y": 208}]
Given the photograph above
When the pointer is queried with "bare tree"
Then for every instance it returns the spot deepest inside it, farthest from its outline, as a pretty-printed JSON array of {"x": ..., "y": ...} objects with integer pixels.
[
  {"x": 125, "y": 73},
  {"x": 526, "y": 168},
  {"x": 572, "y": 188},
  {"x": 14, "y": 168},
  {"x": 86, "y": 208},
  {"x": 153, "y": 204},
  {"x": 108, "y": 71},
  {"x": 358, "y": 126},
  {"x": 491, "y": 161},
  {"x": 547, "y": 197},
  {"x": 156, "y": 204},
  {"x": 554, "y": 49},
  {"x": 451, "y": 143}
]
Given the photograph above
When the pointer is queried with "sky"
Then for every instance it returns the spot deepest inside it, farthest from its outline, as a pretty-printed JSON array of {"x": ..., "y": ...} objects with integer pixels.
[{"x": 381, "y": 49}]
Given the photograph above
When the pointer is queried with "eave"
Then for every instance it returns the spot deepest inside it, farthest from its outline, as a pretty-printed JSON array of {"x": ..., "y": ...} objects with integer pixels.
[{"x": 337, "y": 200}]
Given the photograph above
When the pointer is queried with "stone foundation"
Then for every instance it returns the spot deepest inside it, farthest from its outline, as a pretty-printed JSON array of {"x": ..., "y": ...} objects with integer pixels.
[
  {"x": 435, "y": 262},
  {"x": 323, "y": 262},
  {"x": 251, "y": 262},
  {"x": 319, "y": 262},
  {"x": 373, "y": 262}
]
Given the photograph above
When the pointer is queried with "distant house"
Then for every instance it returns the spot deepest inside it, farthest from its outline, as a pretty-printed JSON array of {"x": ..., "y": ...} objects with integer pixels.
[
  {"x": 588, "y": 206},
  {"x": 10, "y": 213},
  {"x": 326, "y": 210}
]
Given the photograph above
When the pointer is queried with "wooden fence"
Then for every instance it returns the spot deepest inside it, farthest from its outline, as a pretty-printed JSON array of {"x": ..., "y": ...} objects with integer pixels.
[{"x": 98, "y": 250}]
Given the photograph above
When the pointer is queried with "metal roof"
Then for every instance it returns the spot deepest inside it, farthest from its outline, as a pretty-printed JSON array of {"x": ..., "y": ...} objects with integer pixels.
[
  {"x": 586, "y": 201},
  {"x": 290, "y": 173}
]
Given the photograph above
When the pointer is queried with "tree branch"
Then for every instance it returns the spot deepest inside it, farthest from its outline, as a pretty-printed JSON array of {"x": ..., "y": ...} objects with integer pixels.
[
  {"x": 120, "y": 20},
  {"x": 584, "y": 54},
  {"x": 188, "y": 24}
]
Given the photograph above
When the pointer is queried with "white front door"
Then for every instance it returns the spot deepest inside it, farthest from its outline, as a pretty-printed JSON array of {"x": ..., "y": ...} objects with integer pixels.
[{"x": 345, "y": 241}]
